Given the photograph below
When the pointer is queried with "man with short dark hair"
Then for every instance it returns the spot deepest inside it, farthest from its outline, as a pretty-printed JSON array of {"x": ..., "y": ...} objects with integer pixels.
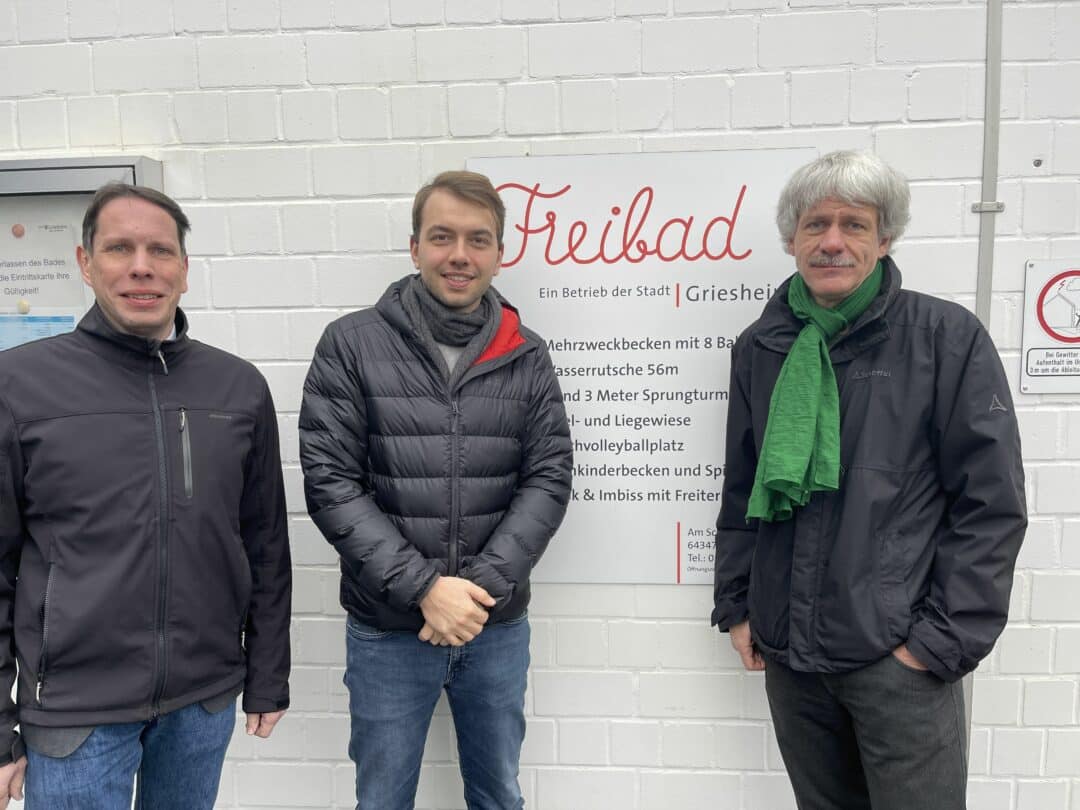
[
  {"x": 144, "y": 562},
  {"x": 873, "y": 503},
  {"x": 437, "y": 461}
]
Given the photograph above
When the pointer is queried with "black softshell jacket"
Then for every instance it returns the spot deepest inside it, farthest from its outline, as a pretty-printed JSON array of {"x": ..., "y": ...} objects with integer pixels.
[
  {"x": 144, "y": 560},
  {"x": 919, "y": 543},
  {"x": 410, "y": 480}
]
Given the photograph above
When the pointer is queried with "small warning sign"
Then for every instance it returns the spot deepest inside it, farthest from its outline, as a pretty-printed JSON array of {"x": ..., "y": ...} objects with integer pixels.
[{"x": 1051, "y": 345}]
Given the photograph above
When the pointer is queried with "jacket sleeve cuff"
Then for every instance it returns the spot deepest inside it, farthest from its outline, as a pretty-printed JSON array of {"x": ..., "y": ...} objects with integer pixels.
[
  {"x": 487, "y": 577},
  {"x": 253, "y": 704},
  {"x": 930, "y": 660},
  {"x": 421, "y": 594},
  {"x": 726, "y": 616},
  {"x": 15, "y": 752}
]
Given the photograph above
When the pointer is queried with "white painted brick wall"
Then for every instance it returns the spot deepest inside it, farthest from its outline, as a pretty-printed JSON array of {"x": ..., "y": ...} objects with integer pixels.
[
  {"x": 92, "y": 121},
  {"x": 144, "y": 119},
  {"x": 164, "y": 64},
  {"x": 920, "y": 35},
  {"x": 253, "y": 61},
  {"x": 254, "y": 173},
  {"x": 252, "y": 116},
  {"x": 465, "y": 54},
  {"x": 759, "y": 100},
  {"x": 702, "y": 102},
  {"x": 418, "y": 112},
  {"x": 37, "y": 70},
  {"x": 697, "y": 45},
  {"x": 532, "y": 108},
  {"x": 306, "y": 13},
  {"x": 794, "y": 40},
  {"x": 144, "y": 17},
  {"x": 820, "y": 97},
  {"x": 364, "y": 113},
  {"x": 360, "y": 58},
  {"x": 642, "y": 104},
  {"x": 474, "y": 109},
  {"x": 199, "y": 117},
  {"x": 364, "y": 171},
  {"x": 588, "y": 105},
  {"x": 295, "y": 133},
  {"x": 41, "y": 21},
  {"x": 199, "y": 16},
  {"x": 41, "y": 122},
  {"x": 584, "y": 49}
]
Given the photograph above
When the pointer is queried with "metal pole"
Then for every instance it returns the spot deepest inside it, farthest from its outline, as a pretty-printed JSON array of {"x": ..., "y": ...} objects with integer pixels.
[{"x": 986, "y": 208}]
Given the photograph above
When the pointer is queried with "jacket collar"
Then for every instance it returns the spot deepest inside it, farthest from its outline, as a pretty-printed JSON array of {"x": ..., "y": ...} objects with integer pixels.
[
  {"x": 778, "y": 326},
  {"x": 508, "y": 337},
  {"x": 96, "y": 325}
]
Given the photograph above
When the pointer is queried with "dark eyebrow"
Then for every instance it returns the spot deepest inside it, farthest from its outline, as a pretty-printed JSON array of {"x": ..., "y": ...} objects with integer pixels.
[{"x": 476, "y": 232}]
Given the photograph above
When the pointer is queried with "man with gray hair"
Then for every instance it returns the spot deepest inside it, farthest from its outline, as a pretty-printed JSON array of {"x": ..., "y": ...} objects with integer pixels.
[{"x": 873, "y": 503}]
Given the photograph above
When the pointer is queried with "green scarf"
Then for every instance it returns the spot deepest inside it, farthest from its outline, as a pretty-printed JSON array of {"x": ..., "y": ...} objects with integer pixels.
[{"x": 801, "y": 451}]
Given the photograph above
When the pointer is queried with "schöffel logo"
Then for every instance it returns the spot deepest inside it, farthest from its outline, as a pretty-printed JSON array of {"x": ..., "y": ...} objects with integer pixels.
[{"x": 866, "y": 375}]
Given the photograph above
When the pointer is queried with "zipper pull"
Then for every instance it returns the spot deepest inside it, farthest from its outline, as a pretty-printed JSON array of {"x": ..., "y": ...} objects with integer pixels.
[
  {"x": 37, "y": 692},
  {"x": 457, "y": 413},
  {"x": 164, "y": 365},
  {"x": 183, "y": 420}
]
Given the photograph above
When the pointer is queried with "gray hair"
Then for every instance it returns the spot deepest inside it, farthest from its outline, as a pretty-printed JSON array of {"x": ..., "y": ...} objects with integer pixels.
[{"x": 857, "y": 178}]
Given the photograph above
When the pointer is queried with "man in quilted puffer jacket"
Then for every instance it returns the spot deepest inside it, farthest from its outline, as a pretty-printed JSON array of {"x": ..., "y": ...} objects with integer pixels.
[{"x": 437, "y": 461}]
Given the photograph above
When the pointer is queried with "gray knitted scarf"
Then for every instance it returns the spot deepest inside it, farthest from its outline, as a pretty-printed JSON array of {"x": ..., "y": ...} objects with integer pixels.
[{"x": 437, "y": 323}]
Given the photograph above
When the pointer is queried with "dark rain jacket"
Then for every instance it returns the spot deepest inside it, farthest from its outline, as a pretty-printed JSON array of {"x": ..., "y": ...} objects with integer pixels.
[
  {"x": 919, "y": 543},
  {"x": 410, "y": 480},
  {"x": 144, "y": 560}
]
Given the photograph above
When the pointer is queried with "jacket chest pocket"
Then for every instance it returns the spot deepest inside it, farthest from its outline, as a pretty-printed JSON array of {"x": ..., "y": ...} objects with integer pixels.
[
  {"x": 210, "y": 450},
  {"x": 185, "y": 454},
  {"x": 882, "y": 425}
]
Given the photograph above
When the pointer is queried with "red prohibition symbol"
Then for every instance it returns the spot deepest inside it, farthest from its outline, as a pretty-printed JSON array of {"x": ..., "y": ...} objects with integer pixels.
[{"x": 1065, "y": 286}]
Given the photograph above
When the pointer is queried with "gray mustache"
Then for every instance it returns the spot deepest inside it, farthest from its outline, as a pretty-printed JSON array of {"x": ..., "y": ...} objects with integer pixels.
[{"x": 831, "y": 261}]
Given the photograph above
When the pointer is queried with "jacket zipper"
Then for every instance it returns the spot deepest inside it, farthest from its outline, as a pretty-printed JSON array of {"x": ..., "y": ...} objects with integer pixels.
[
  {"x": 452, "y": 551},
  {"x": 163, "y": 538},
  {"x": 185, "y": 446},
  {"x": 455, "y": 439},
  {"x": 44, "y": 635}
]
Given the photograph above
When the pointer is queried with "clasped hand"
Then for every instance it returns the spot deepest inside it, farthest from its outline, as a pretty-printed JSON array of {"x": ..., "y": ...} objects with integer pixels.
[{"x": 455, "y": 611}]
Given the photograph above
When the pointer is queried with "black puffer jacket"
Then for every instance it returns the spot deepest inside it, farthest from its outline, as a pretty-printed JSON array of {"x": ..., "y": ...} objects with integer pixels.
[
  {"x": 144, "y": 560},
  {"x": 409, "y": 480},
  {"x": 919, "y": 543}
]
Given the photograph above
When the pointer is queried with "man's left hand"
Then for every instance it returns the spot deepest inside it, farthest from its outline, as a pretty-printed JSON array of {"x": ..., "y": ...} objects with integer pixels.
[
  {"x": 435, "y": 639},
  {"x": 261, "y": 724},
  {"x": 907, "y": 659}
]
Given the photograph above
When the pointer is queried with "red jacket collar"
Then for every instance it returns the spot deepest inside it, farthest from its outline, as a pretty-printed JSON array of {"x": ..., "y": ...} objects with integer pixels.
[{"x": 507, "y": 337}]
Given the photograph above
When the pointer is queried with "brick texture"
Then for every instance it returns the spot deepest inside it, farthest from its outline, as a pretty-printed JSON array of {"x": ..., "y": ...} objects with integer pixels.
[{"x": 295, "y": 133}]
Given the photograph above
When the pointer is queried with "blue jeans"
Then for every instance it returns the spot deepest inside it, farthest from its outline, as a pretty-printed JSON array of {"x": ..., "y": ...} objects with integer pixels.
[
  {"x": 394, "y": 681},
  {"x": 177, "y": 759}
]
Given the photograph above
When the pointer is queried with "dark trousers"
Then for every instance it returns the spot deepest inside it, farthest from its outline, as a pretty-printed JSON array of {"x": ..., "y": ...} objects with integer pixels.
[{"x": 884, "y": 737}]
